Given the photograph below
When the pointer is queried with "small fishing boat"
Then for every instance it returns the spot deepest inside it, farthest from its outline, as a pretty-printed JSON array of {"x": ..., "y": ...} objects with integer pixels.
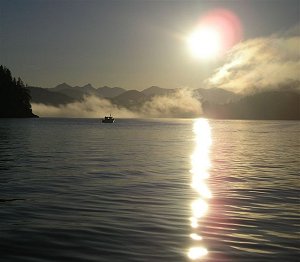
[{"x": 108, "y": 119}]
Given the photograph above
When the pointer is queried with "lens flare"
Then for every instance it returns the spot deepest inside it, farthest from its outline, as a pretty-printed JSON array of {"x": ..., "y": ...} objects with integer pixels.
[{"x": 216, "y": 32}]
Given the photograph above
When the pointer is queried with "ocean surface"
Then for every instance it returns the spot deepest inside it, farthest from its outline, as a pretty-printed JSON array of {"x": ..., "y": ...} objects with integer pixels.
[{"x": 149, "y": 190}]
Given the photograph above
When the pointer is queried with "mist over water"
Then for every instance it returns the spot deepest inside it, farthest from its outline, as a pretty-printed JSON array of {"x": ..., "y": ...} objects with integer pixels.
[
  {"x": 149, "y": 190},
  {"x": 91, "y": 106},
  {"x": 179, "y": 104}
]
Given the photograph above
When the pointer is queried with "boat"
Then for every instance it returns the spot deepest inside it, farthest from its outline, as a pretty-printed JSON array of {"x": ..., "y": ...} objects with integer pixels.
[{"x": 108, "y": 119}]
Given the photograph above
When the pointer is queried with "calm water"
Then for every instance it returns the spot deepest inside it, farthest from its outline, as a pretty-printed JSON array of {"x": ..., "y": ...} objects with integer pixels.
[{"x": 149, "y": 190}]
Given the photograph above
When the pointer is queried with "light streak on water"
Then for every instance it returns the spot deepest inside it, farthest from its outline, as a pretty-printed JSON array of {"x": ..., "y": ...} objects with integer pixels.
[{"x": 200, "y": 162}]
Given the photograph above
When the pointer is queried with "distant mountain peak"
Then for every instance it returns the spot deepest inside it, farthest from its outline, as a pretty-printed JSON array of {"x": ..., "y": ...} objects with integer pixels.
[
  {"x": 63, "y": 85},
  {"x": 110, "y": 92},
  {"x": 153, "y": 88},
  {"x": 88, "y": 86},
  {"x": 156, "y": 90}
]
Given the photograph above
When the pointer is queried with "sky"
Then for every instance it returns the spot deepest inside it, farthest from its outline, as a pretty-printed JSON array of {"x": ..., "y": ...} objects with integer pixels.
[{"x": 136, "y": 44}]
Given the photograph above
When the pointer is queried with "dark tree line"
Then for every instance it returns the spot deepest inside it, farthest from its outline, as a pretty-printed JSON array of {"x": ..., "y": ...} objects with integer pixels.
[{"x": 14, "y": 96}]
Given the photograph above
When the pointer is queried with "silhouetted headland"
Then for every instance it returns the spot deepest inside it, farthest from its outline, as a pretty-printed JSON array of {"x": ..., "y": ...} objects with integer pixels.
[{"x": 14, "y": 96}]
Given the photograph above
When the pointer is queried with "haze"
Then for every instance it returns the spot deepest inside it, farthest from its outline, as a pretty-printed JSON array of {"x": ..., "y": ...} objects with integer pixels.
[{"x": 137, "y": 44}]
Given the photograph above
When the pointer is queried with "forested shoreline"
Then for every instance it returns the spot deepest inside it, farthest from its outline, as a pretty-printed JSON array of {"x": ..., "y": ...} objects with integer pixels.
[{"x": 14, "y": 96}]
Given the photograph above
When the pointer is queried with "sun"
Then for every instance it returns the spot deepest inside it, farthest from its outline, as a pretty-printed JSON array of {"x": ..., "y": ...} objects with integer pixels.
[{"x": 204, "y": 42}]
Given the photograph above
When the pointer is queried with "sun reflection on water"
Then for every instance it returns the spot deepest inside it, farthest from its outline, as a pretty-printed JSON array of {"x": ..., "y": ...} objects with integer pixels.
[
  {"x": 200, "y": 163},
  {"x": 197, "y": 252}
]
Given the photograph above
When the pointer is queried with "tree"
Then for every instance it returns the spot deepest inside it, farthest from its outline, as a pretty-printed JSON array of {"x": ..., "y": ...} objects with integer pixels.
[{"x": 14, "y": 96}]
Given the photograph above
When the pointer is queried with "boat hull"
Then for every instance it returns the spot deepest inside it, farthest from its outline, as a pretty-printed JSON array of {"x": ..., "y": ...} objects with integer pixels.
[{"x": 108, "y": 121}]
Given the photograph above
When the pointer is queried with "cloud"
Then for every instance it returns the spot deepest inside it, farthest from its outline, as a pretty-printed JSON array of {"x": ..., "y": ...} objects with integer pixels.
[
  {"x": 91, "y": 106},
  {"x": 262, "y": 63},
  {"x": 179, "y": 104}
]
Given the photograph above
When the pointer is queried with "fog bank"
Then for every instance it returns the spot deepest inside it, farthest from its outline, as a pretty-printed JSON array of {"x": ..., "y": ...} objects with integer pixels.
[
  {"x": 91, "y": 106},
  {"x": 179, "y": 104}
]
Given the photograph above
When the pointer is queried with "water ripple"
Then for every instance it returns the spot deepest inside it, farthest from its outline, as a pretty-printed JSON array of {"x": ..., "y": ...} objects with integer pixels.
[{"x": 123, "y": 193}]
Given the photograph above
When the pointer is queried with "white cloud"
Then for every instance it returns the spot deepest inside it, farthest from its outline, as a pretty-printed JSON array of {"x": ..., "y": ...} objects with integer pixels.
[
  {"x": 91, "y": 106},
  {"x": 262, "y": 63},
  {"x": 179, "y": 104}
]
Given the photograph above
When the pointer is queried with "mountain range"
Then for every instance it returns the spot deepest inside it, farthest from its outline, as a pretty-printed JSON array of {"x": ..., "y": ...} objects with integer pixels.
[
  {"x": 216, "y": 102},
  {"x": 64, "y": 94}
]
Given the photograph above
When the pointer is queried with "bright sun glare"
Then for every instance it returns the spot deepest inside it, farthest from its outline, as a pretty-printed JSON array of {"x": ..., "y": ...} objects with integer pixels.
[{"x": 204, "y": 42}]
